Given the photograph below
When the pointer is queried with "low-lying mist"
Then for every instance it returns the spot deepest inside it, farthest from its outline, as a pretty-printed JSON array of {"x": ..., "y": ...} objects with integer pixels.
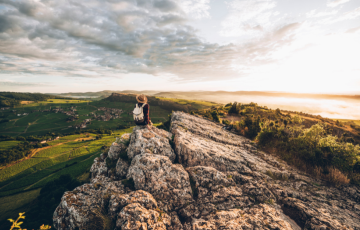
[{"x": 331, "y": 108}]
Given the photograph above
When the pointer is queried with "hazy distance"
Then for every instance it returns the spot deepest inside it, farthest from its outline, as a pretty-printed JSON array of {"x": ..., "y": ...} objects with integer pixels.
[{"x": 331, "y": 106}]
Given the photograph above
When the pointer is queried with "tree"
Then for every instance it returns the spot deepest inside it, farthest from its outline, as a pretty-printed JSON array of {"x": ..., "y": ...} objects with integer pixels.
[{"x": 215, "y": 116}]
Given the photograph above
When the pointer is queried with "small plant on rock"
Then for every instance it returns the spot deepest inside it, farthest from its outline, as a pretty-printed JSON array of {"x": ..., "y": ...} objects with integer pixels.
[{"x": 16, "y": 224}]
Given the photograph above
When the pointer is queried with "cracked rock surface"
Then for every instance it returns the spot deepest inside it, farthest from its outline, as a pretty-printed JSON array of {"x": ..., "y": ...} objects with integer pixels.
[
  {"x": 209, "y": 179},
  {"x": 153, "y": 141}
]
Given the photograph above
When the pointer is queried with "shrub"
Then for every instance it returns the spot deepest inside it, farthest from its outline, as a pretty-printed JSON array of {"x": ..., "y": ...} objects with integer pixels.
[
  {"x": 215, "y": 116},
  {"x": 336, "y": 177},
  {"x": 16, "y": 224},
  {"x": 226, "y": 122}
]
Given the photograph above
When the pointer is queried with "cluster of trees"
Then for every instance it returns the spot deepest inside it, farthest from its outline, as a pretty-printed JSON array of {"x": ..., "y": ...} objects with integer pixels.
[
  {"x": 20, "y": 151},
  {"x": 31, "y": 138},
  {"x": 24, "y": 148},
  {"x": 298, "y": 141},
  {"x": 11, "y": 99}
]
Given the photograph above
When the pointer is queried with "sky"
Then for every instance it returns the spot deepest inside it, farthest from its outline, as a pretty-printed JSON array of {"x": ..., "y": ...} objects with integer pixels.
[{"x": 307, "y": 46}]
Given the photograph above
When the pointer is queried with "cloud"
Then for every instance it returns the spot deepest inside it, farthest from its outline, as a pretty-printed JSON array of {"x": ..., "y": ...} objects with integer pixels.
[
  {"x": 5, "y": 84},
  {"x": 349, "y": 15},
  {"x": 316, "y": 14},
  {"x": 97, "y": 38},
  {"x": 353, "y": 30},
  {"x": 335, "y": 3},
  {"x": 248, "y": 16}
]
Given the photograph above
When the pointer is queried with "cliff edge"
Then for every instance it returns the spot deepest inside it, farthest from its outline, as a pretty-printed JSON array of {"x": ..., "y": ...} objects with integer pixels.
[{"x": 200, "y": 176}]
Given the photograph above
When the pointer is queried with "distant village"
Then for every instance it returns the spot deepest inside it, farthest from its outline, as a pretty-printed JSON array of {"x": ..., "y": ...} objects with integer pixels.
[{"x": 109, "y": 114}]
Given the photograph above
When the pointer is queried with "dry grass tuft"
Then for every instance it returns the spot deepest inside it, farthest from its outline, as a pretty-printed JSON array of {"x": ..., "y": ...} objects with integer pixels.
[
  {"x": 317, "y": 172},
  {"x": 336, "y": 177}
]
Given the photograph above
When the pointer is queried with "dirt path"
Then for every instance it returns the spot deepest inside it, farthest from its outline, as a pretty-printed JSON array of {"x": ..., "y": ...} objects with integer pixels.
[
  {"x": 34, "y": 152},
  {"x": 30, "y": 124},
  {"x": 29, "y": 156}
]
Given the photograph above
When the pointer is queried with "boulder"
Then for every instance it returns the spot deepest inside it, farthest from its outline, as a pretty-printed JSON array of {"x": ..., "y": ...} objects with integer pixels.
[
  {"x": 118, "y": 201},
  {"x": 152, "y": 141},
  {"x": 134, "y": 216},
  {"x": 168, "y": 183},
  {"x": 118, "y": 146},
  {"x": 259, "y": 217},
  {"x": 115, "y": 150},
  {"x": 83, "y": 207},
  {"x": 193, "y": 150},
  {"x": 122, "y": 168},
  {"x": 98, "y": 168},
  {"x": 214, "y": 191},
  {"x": 205, "y": 128}
]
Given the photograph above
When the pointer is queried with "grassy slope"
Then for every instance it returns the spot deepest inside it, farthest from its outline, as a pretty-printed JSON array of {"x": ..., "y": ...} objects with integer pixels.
[
  {"x": 54, "y": 101},
  {"x": 40, "y": 123},
  {"x": 9, "y": 204},
  {"x": 4, "y": 145},
  {"x": 195, "y": 104},
  {"x": 30, "y": 178},
  {"x": 356, "y": 122}
]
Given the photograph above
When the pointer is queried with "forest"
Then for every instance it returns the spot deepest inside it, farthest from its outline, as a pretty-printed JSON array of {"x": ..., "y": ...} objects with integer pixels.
[{"x": 11, "y": 99}]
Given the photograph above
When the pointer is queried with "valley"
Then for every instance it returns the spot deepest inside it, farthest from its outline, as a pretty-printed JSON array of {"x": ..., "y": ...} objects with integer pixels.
[{"x": 43, "y": 142}]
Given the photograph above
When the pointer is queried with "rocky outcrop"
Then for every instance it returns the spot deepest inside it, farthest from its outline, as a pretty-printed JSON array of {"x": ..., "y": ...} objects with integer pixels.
[
  {"x": 200, "y": 176},
  {"x": 152, "y": 141},
  {"x": 84, "y": 206},
  {"x": 98, "y": 168},
  {"x": 168, "y": 182}
]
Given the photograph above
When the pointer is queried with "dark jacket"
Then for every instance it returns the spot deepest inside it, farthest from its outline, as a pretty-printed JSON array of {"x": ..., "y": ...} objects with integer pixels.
[{"x": 146, "y": 110}]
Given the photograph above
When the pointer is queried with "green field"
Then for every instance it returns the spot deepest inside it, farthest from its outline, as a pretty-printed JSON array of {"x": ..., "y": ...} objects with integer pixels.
[
  {"x": 4, "y": 145},
  {"x": 41, "y": 123},
  {"x": 9, "y": 204},
  {"x": 20, "y": 184},
  {"x": 195, "y": 104},
  {"x": 55, "y": 101},
  {"x": 356, "y": 122}
]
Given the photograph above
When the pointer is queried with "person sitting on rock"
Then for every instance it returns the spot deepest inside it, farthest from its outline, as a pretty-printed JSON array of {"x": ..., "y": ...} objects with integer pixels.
[{"x": 141, "y": 112}]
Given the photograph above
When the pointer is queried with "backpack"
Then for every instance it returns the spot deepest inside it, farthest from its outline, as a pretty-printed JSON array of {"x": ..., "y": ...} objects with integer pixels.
[{"x": 138, "y": 114}]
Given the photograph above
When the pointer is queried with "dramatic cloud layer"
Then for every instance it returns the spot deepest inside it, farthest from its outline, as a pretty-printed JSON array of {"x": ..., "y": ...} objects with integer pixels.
[{"x": 114, "y": 38}]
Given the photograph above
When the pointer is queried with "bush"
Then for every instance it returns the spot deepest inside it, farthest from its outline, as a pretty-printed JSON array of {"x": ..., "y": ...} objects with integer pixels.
[
  {"x": 215, "y": 116},
  {"x": 336, "y": 177},
  {"x": 226, "y": 122}
]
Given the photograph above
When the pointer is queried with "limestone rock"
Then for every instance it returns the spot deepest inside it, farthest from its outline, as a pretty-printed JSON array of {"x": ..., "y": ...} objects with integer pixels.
[
  {"x": 228, "y": 184},
  {"x": 168, "y": 183},
  {"x": 143, "y": 140},
  {"x": 118, "y": 146},
  {"x": 259, "y": 217},
  {"x": 82, "y": 208},
  {"x": 115, "y": 150},
  {"x": 123, "y": 139},
  {"x": 205, "y": 128},
  {"x": 215, "y": 191},
  {"x": 135, "y": 216},
  {"x": 122, "y": 168},
  {"x": 98, "y": 168},
  {"x": 118, "y": 201}
]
